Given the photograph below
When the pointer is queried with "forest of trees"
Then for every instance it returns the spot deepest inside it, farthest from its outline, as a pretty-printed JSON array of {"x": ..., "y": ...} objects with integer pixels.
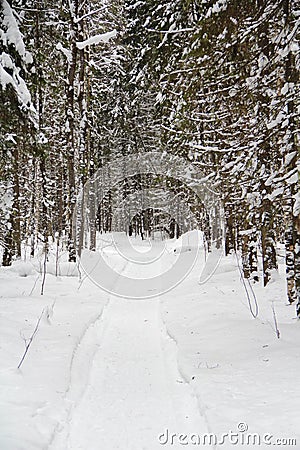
[{"x": 213, "y": 81}]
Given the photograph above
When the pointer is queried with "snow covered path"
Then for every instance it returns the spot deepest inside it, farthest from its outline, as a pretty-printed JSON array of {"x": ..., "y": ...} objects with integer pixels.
[
  {"x": 112, "y": 373},
  {"x": 134, "y": 391}
]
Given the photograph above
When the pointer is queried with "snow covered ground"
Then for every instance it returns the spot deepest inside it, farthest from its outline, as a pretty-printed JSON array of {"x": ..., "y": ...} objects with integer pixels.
[{"x": 179, "y": 371}]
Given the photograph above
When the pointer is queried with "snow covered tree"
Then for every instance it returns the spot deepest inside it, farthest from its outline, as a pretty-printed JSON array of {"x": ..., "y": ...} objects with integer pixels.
[
  {"x": 215, "y": 82},
  {"x": 18, "y": 120}
]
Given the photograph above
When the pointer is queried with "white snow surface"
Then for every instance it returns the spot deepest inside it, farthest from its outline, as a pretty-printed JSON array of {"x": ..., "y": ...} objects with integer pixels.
[{"x": 109, "y": 373}]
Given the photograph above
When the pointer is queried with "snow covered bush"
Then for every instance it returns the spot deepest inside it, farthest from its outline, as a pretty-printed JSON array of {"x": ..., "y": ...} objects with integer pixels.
[{"x": 23, "y": 268}]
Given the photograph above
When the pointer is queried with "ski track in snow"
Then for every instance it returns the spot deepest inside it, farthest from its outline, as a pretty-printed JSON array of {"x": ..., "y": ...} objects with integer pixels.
[
  {"x": 81, "y": 361},
  {"x": 201, "y": 406},
  {"x": 126, "y": 388}
]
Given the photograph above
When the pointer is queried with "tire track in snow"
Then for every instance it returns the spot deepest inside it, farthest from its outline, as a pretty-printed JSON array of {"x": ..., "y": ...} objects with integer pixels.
[
  {"x": 79, "y": 372},
  {"x": 133, "y": 389},
  {"x": 170, "y": 348},
  {"x": 81, "y": 361},
  {"x": 201, "y": 406}
]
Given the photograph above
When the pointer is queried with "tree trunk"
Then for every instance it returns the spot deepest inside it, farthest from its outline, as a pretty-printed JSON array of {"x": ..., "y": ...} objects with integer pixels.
[
  {"x": 297, "y": 263},
  {"x": 252, "y": 248},
  {"x": 70, "y": 127},
  {"x": 245, "y": 256},
  {"x": 292, "y": 234}
]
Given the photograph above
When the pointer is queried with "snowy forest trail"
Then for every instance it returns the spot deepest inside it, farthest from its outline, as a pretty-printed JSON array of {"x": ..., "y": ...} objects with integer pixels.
[
  {"x": 134, "y": 391},
  {"x": 104, "y": 372}
]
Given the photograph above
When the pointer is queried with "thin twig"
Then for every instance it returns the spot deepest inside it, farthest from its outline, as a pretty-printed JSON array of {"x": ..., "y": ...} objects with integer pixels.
[
  {"x": 44, "y": 270},
  {"x": 28, "y": 344},
  {"x": 34, "y": 285},
  {"x": 254, "y": 311},
  {"x": 275, "y": 321}
]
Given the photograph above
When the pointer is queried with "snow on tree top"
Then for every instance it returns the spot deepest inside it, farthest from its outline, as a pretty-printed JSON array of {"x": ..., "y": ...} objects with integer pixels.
[{"x": 12, "y": 33}]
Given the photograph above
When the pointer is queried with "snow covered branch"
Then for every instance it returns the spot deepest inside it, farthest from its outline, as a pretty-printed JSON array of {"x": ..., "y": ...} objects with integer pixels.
[
  {"x": 99, "y": 38},
  {"x": 10, "y": 70}
]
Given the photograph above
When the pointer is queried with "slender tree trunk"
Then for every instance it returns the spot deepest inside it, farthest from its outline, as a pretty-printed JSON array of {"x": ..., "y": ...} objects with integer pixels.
[
  {"x": 292, "y": 235},
  {"x": 252, "y": 248},
  {"x": 230, "y": 241},
  {"x": 297, "y": 263},
  {"x": 70, "y": 126},
  {"x": 290, "y": 263},
  {"x": 8, "y": 247},
  {"x": 269, "y": 261},
  {"x": 16, "y": 206}
]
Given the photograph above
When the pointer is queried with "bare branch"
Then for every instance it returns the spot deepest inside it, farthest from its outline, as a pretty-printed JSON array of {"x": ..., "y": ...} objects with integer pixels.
[{"x": 29, "y": 342}]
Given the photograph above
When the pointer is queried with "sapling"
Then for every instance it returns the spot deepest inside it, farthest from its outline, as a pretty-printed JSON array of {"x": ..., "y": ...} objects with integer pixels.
[
  {"x": 44, "y": 270},
  {"x": 57, "y": 255},
  {"x": 29, "y": 341},
  {"x": 275, "y": 321}
]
